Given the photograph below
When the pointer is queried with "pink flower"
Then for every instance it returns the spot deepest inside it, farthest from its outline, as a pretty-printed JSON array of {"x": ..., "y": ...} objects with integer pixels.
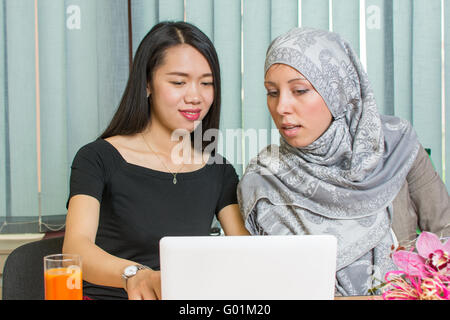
[
  {"x": 424, "y": 275},
  {"x": 432, "y": 256}
]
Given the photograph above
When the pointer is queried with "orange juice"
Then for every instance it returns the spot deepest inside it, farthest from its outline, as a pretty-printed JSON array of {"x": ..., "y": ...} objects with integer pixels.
[{"x": 63, "y": 283}]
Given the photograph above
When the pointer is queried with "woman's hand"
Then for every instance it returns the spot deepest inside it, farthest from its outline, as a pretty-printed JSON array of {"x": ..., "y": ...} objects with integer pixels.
[{"x": 145, "y": 285}]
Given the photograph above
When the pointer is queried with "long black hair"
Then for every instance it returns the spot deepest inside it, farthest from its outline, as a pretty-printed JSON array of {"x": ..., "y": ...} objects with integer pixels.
[{"x": 133, "y": 114}]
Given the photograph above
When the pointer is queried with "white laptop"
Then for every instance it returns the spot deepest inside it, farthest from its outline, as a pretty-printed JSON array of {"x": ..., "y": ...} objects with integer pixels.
[{"x": 248, "y": 267}]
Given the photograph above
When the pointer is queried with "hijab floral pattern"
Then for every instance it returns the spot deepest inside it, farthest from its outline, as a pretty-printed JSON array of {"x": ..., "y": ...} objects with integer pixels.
[{"x": 344, "y": 182}]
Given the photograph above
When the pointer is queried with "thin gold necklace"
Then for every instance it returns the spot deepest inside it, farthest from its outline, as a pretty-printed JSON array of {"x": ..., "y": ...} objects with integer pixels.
[{"x": 164, "y": 164}]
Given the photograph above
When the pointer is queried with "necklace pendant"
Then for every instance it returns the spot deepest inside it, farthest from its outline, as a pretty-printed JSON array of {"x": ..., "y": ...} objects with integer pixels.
[{"x": 174, "y": 180}]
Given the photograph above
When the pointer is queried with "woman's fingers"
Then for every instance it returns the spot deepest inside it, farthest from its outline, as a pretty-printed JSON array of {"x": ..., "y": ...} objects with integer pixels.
[{"x": 145, "y": 285}]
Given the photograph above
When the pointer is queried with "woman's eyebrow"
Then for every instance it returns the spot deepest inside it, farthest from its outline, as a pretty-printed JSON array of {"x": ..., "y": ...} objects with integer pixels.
[
  {"x": 183, "y": 74},
  {"x": 295, "y": 79},
  {"x": 292, "y": 80},
  {"x": 177, "y": 73}
]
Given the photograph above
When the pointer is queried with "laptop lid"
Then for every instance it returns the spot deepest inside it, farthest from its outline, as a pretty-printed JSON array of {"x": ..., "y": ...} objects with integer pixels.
[{"x": 248, "y": 267}]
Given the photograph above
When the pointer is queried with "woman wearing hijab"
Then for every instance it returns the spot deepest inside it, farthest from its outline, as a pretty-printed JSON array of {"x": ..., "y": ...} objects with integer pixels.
[{"x": 341, "y": 167}]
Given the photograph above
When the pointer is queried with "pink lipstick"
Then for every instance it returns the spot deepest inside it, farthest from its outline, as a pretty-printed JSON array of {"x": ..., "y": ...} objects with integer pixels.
[{"x": 191, "y": 114}]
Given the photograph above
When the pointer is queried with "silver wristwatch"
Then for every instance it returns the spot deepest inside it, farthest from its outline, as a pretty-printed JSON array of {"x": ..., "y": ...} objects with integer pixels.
[{"x": 131, "y": 271}]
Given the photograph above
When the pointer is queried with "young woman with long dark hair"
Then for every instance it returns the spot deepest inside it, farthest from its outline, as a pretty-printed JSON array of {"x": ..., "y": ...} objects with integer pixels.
[{"x": 132, "y": 186}]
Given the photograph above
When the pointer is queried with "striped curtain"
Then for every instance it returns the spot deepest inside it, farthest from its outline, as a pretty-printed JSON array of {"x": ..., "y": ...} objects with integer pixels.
[{"x": 64, "y": 65}]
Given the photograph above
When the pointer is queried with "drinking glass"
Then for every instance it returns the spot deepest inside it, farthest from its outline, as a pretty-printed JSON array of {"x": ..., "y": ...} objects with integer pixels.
[{"x": 63, "y": 277}]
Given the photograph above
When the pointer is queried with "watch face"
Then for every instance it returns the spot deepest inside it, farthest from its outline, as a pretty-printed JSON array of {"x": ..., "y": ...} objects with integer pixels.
[{"x": 130, "y": 271}]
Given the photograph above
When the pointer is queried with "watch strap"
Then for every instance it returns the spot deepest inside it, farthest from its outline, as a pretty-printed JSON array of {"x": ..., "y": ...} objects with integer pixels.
[{"x": 138, "y": 267}]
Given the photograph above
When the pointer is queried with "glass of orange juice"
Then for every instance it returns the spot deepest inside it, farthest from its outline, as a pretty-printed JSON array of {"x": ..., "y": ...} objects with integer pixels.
[{"x": 63, "y": 277}]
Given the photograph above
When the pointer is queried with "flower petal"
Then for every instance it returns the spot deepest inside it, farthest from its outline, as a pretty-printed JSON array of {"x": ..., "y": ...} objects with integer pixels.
[
  {"x": 409, "y": 262},
  {"x": 427, "y": 243}
]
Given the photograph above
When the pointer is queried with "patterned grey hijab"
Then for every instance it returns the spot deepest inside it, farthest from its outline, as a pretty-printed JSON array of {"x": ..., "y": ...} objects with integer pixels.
[{"x": 344, "y": 182}]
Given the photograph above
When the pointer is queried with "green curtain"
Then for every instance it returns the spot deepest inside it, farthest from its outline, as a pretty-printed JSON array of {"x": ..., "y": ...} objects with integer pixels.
[{"x": 64, "y": 65}]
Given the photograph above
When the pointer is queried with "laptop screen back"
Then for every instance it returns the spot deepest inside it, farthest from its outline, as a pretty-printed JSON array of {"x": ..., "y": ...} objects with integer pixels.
[{"x": 248, "y": 267}]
